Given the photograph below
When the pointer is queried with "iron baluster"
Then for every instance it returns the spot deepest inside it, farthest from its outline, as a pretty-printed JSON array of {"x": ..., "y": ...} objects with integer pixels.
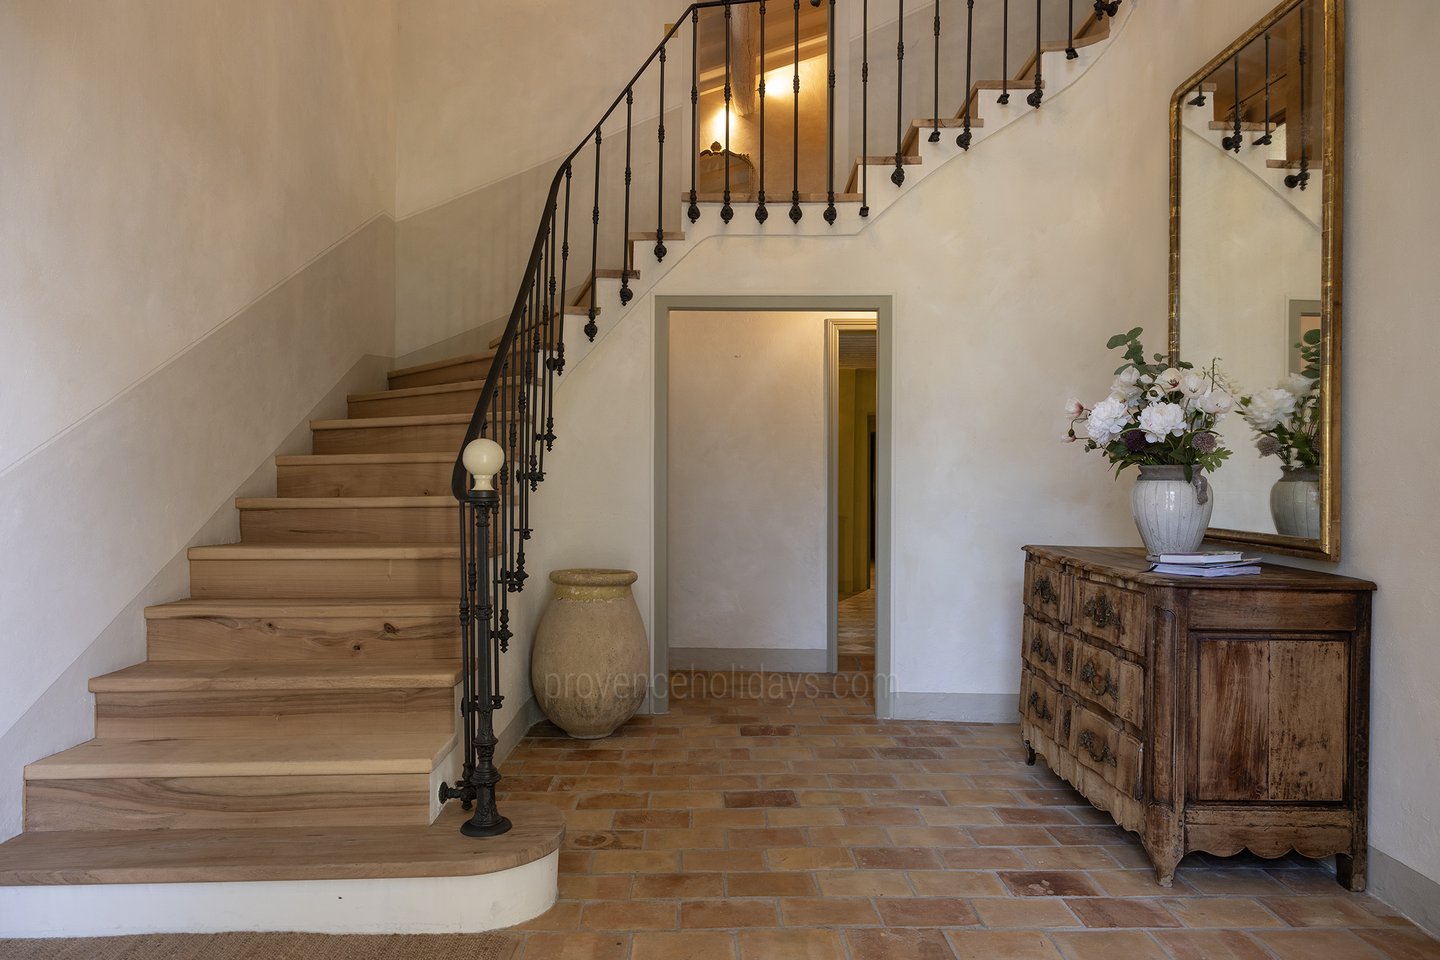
[
  {"x": 1004, "y": 97},
  {"x": 660, "y": 250},
  {"x": 1236, "y": 139},
  {"x": 591, "y": 328},
  {"x": 694, "y": 212},
  {"x": 967, "y": 135},
  {"x": 1070, "y": 52},
  {"x": 1199, "y": 99},
  {"x": 761, "y": 214},
  {"x": 935, "y": 119},
  {"x": 898, "y": 176},
  {"x": 830, "y": 212},
  {"x": 555, "y": 323},
  {"x": 727, "y": 213},
  {"x": 564, "y": 278},
  {"x": 1302, "y": 178},
  {"x": 864, "y": 108},
  {"x": 1267, "y": 139},
  {"x": 1038, "y": 94},
  {"x": 627, "y": 249},
  {"x": 1106, "y": 8},
  {"x": 795, "y": 211}
]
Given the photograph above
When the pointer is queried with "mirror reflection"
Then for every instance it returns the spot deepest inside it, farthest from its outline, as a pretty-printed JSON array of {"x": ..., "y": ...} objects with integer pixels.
[{"x": 1251, "y": 267}]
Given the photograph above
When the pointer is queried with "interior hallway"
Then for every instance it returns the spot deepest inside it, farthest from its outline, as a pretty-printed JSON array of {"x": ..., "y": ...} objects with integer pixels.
[{"x": 796, "y": 825}]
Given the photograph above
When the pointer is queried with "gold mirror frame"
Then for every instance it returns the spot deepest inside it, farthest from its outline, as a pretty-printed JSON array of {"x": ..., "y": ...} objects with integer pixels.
[{"x": 1327, "y": 547}]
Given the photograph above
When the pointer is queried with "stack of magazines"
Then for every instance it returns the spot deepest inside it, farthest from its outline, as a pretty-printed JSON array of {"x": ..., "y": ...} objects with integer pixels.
[{"x": 1205, "y": 563}]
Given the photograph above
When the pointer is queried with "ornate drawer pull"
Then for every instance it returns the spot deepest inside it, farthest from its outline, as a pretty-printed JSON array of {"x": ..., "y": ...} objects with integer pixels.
[
  {"x": 1066, "y": 731},
  {"x": 1045, "y": 590},
  {"x": 1088, "y": 674},
  {"x": 1044, "y": 652},
  {"x": 1099, "y": 609},
  {"x": 1069, "y": 660},
  {"x": 1037, "y": 707},
  {"x": 1087, "y": 740}
]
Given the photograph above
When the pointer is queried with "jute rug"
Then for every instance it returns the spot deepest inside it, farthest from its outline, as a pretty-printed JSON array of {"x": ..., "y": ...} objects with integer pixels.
[{"x": 266, "y": 946}]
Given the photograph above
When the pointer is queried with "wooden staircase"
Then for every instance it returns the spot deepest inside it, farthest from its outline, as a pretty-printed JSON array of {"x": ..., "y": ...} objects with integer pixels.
[{"x": 306, "y": 689}]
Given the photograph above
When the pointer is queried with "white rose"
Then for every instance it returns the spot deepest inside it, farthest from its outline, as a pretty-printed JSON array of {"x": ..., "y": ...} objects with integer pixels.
[
  {"x": 1162, "y": 420},
  {"x": 1129, "y": 376},
  {"x": 1107, "y": 420},
  {"x": 1266, "y": 409},
  {"x": 1170, "y": 379},
  {"x": 1074, "y": 409},
  {"x": 1216, "y": 403},
  {"x": 1192, "y": 385},
  {"x": 1297, "y": 385}
]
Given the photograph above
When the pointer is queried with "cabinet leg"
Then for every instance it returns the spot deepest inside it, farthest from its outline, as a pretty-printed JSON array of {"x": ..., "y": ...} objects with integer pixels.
[
  {"x": 1164, "y": 869},
  {"x": 1350, "y": 869},
  {"x": 1029, "y": 754}
]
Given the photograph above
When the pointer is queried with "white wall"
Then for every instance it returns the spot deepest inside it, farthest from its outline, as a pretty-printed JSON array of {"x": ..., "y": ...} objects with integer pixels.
[
  {"x": 198, "y": 249},
  {"x": 747, "y": 488}
]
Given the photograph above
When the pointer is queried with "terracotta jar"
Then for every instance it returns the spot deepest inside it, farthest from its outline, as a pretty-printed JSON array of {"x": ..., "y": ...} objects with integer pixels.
[{"x": 591, "y": 658}]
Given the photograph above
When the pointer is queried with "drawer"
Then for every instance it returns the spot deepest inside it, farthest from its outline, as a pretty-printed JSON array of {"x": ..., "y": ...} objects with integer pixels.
[
  {"x": 1107, "y": 750},
  {"x": 1110, "y": 682},
  {"x": 1039, "y": 702},
  {"x": 1042, "y": 644},
  {"x": 1111, "y": 614},
  {"x": 1047, "y": 590}
]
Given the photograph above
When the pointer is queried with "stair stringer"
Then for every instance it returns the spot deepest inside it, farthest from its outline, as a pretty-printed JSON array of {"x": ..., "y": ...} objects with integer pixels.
[
  {"x": 961, "y": 246},
  {"x": 1060, "y": 75}
]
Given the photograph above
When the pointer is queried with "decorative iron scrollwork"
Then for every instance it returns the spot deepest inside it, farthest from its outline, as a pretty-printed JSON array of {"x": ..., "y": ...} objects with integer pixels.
[
  {"x": 1065, "y": 725},
  {"x": 1038, "y": 707},
  {"x": 1045, "y": 590},
  {"x": 1042, "y": 650},
  {"x": 1102, "y": 612},
  {"x": 1099, "y": 687},
  {"x": 1087, "y": 742}
]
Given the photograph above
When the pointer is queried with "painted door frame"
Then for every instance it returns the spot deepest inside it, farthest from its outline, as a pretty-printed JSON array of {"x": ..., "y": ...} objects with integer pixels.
[{"x": 883, "y": 308}]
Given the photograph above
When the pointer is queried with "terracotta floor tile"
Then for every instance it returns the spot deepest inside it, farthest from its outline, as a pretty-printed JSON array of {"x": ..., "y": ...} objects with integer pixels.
[
  {"x": 802, "y": 816},
  {"x": 696, "y": 838},
  {"x": 864, "y": 883},
  {"x": 576, "y": 946},
  {"x": 967, "y": 816},
  {"x": 956, "y": 883},
  {"x": 926, "y": 912},
  {"x": 882, "y": 944},
  {"x": 1048, "y": 883},
  {"x": 634, "y": 861},
  {"x": 1401, "y": 943},
  {"x": 765, "y": 837},
  {"x": 896, "y": 858},
  {"x": 565, "y": 915},
  {"x": 678, "y": 886},
  {"x": 1086, "y": 836},
  {"x": 1317, "y": 945},
  {"x": 983, "y": 858},
  {"x": 1109, "y": 945},
  {"x": 609, "y": 801},
  {"x": 1026, "y": 912},
  {"x": 729, "y": 818},
  {"x": 686, "y": 799},
  {"x": 1229, "y": 913},
  {"x": 829, "y": 912},
  {"x": 604, "y": 839},
  {"x": 809, "y": 858},
  {"x": 587, "y": 820},
  {"x": 1211, "y": 945},
  {"x": 579, "y": 887},
  {"x": 651, "y": 819},
  {"x": 728, "y": 861},
  {"x": 1107, "y": 912},
  {"x": 930, "y": 837},
  {"x": 881, "y": 816},
  {"x": 1136, "y": 883},
  {"x": 1072, "y": 858},
  {"x": 1011, "y": 836},
  {"x": 1238, "y": 883},
  {"x": 1033, "y": 815},
  {"x": 771, "y": 885},
  {"x": 1002, "y": 945},
  {"x": 1318, "y": 911},
  {"x": 847, "y": 836},
  {"x": 790, "y": 945},
  {"x": 728, "y": 914},
  {"x": 683, "y": 946},
  {"x": 629, "y": 915}
]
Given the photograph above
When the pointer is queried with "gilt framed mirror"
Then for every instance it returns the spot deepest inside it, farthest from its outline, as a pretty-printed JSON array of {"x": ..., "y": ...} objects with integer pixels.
[{"x": 1256, "y": 241}]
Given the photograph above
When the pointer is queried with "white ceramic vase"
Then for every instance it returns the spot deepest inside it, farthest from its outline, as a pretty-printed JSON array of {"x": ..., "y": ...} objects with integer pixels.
[
  {"x": 1171, "y": 512},
  {"x": 591, "y": 659},
  {"x": 1295, "y": 502}
]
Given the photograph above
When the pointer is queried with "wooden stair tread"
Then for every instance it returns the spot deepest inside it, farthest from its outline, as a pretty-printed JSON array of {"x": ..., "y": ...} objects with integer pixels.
[
  {"x": 342, "y": 459},
  {"x": 369, "y": 423},
  {"x": 171, "y": 675},
  {"x": 337, "y": 551},
  {"x": 454, "y": 386},
  {"x": 772, "y": 199},
  {"x": 245, "y": 757},
  {"x": 319, "y": 608},
  {"x": 439, "y": 364},
  {"x": 343, "y": 503},
  {"x": 337, "y": 852}
]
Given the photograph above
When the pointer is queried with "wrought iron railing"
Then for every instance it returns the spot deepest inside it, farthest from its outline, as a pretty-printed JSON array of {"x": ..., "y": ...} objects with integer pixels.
[{"x": 513, "y": 427}]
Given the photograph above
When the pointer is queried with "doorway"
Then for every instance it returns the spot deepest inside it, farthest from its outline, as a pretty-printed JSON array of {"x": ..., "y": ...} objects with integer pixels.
[{"x": 851, "y": 399}]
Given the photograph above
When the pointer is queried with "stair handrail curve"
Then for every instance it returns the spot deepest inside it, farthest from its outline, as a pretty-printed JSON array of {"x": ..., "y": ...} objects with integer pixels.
[{"x": 530, "y": 354}]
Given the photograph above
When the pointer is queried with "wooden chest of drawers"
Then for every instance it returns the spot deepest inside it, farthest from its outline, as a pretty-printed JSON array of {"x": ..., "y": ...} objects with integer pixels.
[{"x": 1203, "y": 714}]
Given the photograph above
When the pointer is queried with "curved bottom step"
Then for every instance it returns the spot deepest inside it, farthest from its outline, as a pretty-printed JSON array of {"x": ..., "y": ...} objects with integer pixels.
[{"x": 390, "y": 879}]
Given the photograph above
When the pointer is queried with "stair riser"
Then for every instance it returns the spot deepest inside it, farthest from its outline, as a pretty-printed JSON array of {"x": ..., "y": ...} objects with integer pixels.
[
  {"x": 462, "y": 401},
  {"x": 364, "y": 479},
  {"x": 426, "y": 438},
  {"x": 226, "y": 802},
  {"x": 274, "y": 713},
  {"x": 472, "y": 370},
  {"x": 389, "y": 579},
  {"x": 302, "y": 639},
  {"x": 377, "y": 525}
]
